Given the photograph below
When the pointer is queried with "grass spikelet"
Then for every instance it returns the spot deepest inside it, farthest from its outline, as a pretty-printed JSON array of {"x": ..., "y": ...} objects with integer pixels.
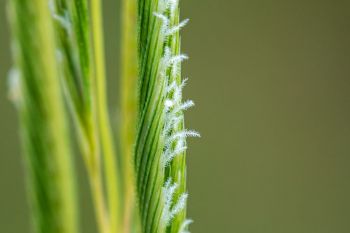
[{"x": 161, "y": 143}]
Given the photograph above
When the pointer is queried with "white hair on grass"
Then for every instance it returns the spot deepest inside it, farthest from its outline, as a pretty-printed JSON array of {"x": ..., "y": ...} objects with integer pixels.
[
  {"x": 179, "y": 206},
  {"x": 180, "y": 135},
  {"x": 163, "y": 7},
  {"x": 63, "y": 20},
  {"x": 176, "y": 90},
  {"x": 165, "y": 22},
  {"x": 172, "y": 6},
  {"x": 169, "y": 61},
  {"x": 184, "y": 226},
  {"x": 165, "y": 62},
  {"x": 14, "y": 86},
  {"x": 176, "y": 28},
  {"x": 175, "y": 61},
  {"x": 170, "y": 153},
  {"x": 172, "y": 122},
  {"x": 178, "y": 58},
  {"x": 185, "y": 105},
  {"x": 175, "y": 136},
  {"x": 171, "y": 210}
]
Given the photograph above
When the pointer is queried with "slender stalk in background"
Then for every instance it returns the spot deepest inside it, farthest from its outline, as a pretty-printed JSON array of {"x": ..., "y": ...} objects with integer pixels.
[
  {"x": 113, "y": 192},
  {"x": 74, "y": 52},
  {"x": 161, "y": 140},
  {"x": 129, "y": 112},
  {"x": 43, "y": 119},
  {"x": 84, "y": 82}
]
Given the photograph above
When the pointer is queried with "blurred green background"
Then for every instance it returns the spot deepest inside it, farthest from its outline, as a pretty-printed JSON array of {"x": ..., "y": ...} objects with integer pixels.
[{"x": 271, "y": 80}]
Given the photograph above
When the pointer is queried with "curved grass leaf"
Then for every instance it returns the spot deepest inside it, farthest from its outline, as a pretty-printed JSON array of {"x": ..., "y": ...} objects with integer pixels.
[{"x": 161, "y": 141}]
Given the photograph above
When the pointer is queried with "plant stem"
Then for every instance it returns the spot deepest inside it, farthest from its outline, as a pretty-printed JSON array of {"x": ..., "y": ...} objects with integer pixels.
[
  {"x": 95, "y": 177},
  {"x": 161, "y": 142},
  {"x": 103, "y": 118},
  {"x": 74, "y": 44},
  {"x": 150, "y": 143},
  {"x": 129, "y": 111},
  {"x": 43, "y": 119}
]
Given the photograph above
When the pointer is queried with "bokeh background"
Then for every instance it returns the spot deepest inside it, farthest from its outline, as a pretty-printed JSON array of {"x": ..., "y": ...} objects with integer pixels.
[{"x": 271, "y": 80}]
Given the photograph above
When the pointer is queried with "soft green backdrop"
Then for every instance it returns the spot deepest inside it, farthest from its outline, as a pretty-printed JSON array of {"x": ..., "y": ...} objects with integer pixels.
[{"x": 271, "y": 79}]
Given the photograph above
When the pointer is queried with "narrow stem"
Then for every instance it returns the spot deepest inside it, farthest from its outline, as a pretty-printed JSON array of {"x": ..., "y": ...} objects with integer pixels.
[
  {"x": 129, "y": 111},
  {"x": 102, "y": 115},
  {"x": 95, "y": 177},
  {"x": 93, "y": 165},
  {"x": 43, "y": 119}
]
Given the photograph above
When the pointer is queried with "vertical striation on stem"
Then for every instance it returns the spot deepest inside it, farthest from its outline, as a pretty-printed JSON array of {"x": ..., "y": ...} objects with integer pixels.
[{"x": 161, "y": 142}]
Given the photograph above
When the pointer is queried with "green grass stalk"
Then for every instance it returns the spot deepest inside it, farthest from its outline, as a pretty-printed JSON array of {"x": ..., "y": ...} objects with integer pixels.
[
  {"x": 109, "y": 153},
  {"x": 49, "y": 168},
  {"x": 149, "y": 143},
  {"x": 74, "y": 54},
  {"x": 129, "y": 112},
  {"x": 161, "y": 141}
]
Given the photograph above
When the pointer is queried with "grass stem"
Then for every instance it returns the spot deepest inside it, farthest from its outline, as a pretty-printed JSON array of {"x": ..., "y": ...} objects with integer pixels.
[
  {"x": 113, "y": 193},
  {"x": 129, "y": 111},
  {"x": 48, "y": 157}
]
